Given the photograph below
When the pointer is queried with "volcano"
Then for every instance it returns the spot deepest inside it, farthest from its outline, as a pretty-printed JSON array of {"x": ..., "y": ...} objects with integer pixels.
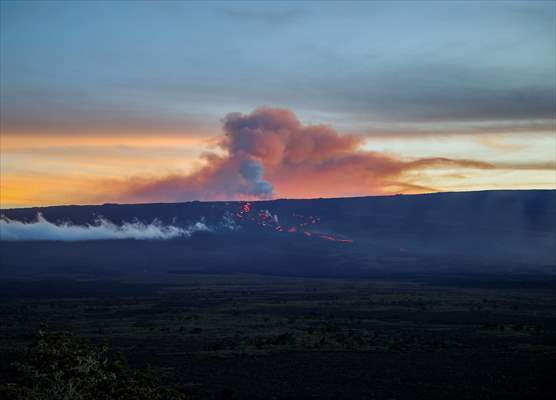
[{"x": 482, "y": 233}]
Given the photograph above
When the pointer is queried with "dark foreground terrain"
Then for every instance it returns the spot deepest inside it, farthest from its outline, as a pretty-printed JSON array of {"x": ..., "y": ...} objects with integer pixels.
[
  {"x": 446, "y": 296},
  {"x": 245, "y": 336}
]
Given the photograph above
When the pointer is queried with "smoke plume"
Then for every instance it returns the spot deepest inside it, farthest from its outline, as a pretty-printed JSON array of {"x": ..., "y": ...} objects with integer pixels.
[
  {"x": 269, "y": 153},
  {"x": 103, "y": 229},
  {"x": 252, "y": 171}
]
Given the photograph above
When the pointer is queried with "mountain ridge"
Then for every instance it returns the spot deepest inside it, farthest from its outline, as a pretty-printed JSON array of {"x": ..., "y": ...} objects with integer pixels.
[{"x": 284, "y": 199}]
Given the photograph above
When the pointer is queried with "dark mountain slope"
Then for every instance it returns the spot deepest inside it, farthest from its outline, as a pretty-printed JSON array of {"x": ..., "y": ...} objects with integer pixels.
[{"x": 480, "y": 232}]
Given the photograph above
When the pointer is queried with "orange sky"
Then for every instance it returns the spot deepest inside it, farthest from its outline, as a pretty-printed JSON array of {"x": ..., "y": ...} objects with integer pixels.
[{"x": 39, "y": 169}]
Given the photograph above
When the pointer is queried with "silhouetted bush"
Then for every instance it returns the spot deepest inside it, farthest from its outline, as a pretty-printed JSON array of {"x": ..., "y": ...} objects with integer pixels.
[{"x": 62, "y": 367}]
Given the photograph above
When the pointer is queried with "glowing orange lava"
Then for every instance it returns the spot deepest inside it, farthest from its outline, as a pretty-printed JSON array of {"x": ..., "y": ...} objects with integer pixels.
[{"x": 267, "y": 220}]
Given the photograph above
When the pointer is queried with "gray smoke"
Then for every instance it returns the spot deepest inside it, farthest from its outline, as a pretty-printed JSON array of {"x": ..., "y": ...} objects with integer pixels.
[
  {"x": 102, "y": 229},
  {"x": 252, "y": 171}
]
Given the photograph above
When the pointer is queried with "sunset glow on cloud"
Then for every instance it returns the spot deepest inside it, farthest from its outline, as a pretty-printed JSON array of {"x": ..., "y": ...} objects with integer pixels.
[
  {"x": 265, "y": 154},
  {"x": 295, "y": 160}
]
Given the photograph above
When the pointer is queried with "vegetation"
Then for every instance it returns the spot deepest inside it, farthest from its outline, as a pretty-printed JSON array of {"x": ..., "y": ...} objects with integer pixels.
[
  {"x": 217, "y": 337},
  {"x": 62, "y": 367}
]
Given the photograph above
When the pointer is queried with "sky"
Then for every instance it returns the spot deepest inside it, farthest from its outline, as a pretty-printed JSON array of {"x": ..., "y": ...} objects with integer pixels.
[{"x": 143, "y": 101}]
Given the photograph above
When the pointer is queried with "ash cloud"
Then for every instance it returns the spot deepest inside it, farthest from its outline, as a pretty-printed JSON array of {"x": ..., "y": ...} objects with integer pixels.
[
  {"x": 102, "y": 229},
  {"x": 269, "y": 153},
  {"x": 253, "y": 171}
]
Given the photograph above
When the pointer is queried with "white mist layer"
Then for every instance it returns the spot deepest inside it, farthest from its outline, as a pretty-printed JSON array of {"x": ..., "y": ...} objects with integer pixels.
[{"x": 102, "y": 229}]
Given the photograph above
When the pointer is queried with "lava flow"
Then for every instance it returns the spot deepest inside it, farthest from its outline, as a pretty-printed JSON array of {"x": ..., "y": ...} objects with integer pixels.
[{"x": 265, "y": 219}]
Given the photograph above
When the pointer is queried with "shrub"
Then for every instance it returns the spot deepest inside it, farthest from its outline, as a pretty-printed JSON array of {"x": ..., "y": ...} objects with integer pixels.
[{"x": 62, "y": 367}]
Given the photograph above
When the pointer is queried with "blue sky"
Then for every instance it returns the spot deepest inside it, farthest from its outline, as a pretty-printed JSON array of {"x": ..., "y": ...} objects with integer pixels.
[{"x": 368, "y": 62}]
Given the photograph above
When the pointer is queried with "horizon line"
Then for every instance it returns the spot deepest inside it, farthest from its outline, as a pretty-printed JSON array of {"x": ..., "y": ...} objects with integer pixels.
[{"x": 280, "y": 199}]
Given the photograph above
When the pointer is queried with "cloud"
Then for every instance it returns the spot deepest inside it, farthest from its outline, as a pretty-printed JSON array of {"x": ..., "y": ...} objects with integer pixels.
[
  {"x": 26, "y": 111},
  {"x": 532, "y": 166},
  {"x": 488, "y": 129},
  {"x": 467, "y": 63},
  {"x": 446, "y": 162},
  {"x": 270, "y": 153},
  {"x": 437, "y": 92},
  {"x": 103, "y": 229}
]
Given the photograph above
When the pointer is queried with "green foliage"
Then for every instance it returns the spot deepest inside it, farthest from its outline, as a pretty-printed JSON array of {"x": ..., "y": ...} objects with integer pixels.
[{"x": 61, "y": 367}]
